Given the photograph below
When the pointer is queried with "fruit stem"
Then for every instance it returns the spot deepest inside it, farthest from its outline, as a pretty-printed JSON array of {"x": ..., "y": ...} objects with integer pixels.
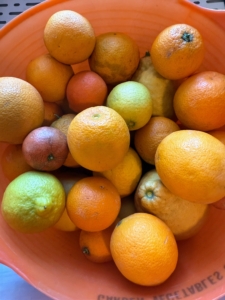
[
  {"x": 187, "y": 37},
  {"x": 50, "y": 157},
  {"x": 86, "y": 251}
]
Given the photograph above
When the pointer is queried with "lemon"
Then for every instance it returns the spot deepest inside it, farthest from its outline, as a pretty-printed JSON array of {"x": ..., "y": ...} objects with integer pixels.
[
  {"x": 33, "y": 202},
  {"x": 132, "y": 100},
  {"x": 125, "y": 175},
  {"x": 162, "y": 90},
  {"x": 184, "y": 218}
]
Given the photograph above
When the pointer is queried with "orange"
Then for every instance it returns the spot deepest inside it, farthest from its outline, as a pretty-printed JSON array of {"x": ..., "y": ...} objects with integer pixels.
[
  {"x": 21, "y": 109},
  {"x": 126, "y": 175},
  {"x": 98, "y": 138},
  {"x": 191, "y": 164},
  {"x": 199, "y": 101},
  {"x": 93, "y": 203},
  {"x": 63, "y": 124},
  {"x": 147, "y": 138},
  {"x": 86, "y": 89},
  {"x": 69, "y": 37},
  {"x": 52, "y": 112},
  {"x": 13, "y": 162},
  {"x": 219, "y": 134},
  {"x": 144, "y": 249},
  {"x": 115, "y": 57},
  {"x": 49, "y": 77},
  {"x": 177, "y": 51},
  {"x": 96, "y": 245}
]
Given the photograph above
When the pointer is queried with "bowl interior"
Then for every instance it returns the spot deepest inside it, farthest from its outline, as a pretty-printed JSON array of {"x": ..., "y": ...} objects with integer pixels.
[{"x": 52, "y": 261}]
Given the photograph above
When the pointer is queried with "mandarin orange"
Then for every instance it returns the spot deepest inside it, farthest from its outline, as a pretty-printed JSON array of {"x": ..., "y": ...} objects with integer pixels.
[
  {"x": 115, "y": 57},
  {"x": 199, "y": 101},
  {"x": 86, "y": 89},
  {"x": 93, "y": 203},
  {"x": 21, "y": 109},
  {"x": 49, "y": 77},
  {"x": 147, "y": 138},
  {"x": 177, "y": 51},
  {"x": 69, "y": 37},
  {"x": 98, "y": 138},
  {"x": 191, "y": 164},
  {"x": 144, "y": 249}
]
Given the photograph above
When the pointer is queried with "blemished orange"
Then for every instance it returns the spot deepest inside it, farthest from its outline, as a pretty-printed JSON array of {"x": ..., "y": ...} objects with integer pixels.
[
  {"x": 177, "y": 51},
  {"x": 13, "y": 162},
  {"x": 191, "y": 164},
  {"x": 199, "y": 101},
  {"x": 96, "y": 245},
  {"x": 21, "y": 109},
  {"x": 98, "y": 138},
  {"x": 52, "y": 112},
  {"x": 219, "y": 134},
  {"x": 147, "y": 138},
  {"x": 126, "y": 175},
  {"x": 144, "y": 249},
  {"x": 49, "y": 77},
  {"x": 63, "y": 124},
  {"x": 69, "y": 37},
  {"x": 93, "y": 203},
  {"x": 86, "y": 89},
  {"x": 115, "y": 57}
]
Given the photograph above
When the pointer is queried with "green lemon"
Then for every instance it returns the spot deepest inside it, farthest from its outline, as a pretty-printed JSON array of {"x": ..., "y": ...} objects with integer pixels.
[
  {"x": 33, "y": 202},
  {"x": 132, "y": 100}
]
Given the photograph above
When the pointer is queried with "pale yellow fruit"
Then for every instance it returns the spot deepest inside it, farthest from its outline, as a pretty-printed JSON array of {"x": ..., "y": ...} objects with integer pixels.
[
  {"x": 125, "y": 175},
  {"x": 33, "y": 202},
  {"x": 183, "y": 217},
  {"x": 132, "y": 100},
  {"x": 162, "y": 90}
]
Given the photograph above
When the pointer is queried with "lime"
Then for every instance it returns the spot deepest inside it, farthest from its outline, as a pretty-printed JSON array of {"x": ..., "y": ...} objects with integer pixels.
[{"x": 33, "y": 202}]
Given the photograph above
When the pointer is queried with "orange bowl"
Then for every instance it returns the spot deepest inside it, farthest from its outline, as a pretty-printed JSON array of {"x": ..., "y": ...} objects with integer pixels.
[{"x": 51, "y": 261}]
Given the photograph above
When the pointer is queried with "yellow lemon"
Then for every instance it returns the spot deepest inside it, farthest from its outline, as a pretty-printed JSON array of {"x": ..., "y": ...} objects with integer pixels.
[
  {"x": 126, "y": 175},
  {"x": 132, "y": 100}
]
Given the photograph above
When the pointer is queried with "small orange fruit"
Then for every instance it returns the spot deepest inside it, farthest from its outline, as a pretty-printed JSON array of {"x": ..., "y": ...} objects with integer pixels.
[
  {"x": 96, "y": 245},
  {"x": 93, "y": 138},
  {"x": 177, "y": 51},
  {"x": 49, "y": 77},
  {"x": 63, "y": 124},
  {"x": 144, "y": 249},
  {"x": 191, "y": 164},
  {"x": 86, "y": 89},
  {"x": 69, "y": 37},
  {"x": 199, "y": 101},
  {"x": 93, "y": 203},
  {"x": 115, "y": 57},
  {"x": 21, "y": 109},
  {"x": 147, "y": 138},
  {"x": 52, "y": 112},
  {"x": 13, "y": 162},
  {"x": 126, "y": 175}
]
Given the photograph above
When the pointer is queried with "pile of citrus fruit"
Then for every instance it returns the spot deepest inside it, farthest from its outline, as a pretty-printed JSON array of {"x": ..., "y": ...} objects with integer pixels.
[{"x": 130, "y": 152}]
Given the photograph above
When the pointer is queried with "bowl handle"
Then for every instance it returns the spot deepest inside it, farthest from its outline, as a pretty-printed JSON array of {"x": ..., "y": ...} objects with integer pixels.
[{"x": 217, "y": 16}]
